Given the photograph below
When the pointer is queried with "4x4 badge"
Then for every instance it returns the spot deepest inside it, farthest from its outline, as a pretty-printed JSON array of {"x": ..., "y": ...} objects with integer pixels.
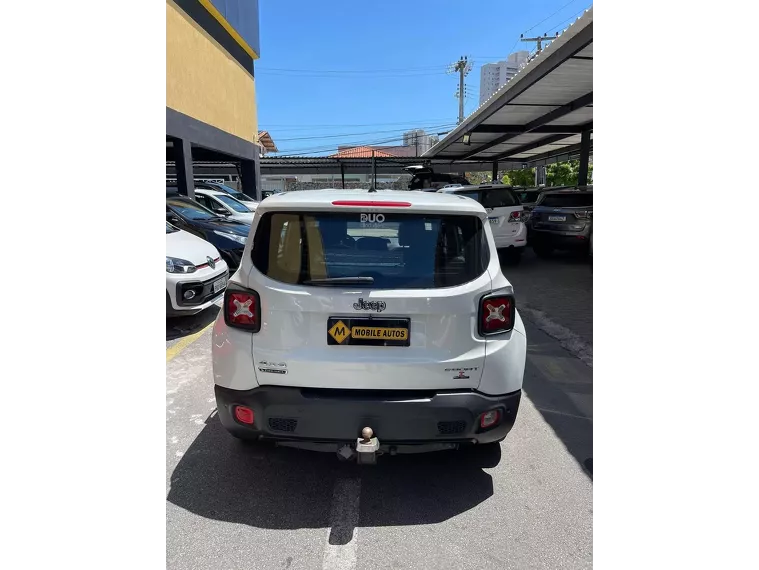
[{"x": 377, "y": 306}]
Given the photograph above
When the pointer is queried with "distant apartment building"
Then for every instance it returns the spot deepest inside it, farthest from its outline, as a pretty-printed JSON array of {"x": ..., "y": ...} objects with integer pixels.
[
  {"x": 494, "y": 75},
  {"x": 419, "y": 140}
]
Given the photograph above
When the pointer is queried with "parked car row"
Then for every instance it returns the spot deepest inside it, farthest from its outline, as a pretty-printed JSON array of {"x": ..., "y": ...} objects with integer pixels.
[
  {"x": 547, "y": 220},
  {"x": 563, "y": 220},
  {"x": 205, "y": 239}
]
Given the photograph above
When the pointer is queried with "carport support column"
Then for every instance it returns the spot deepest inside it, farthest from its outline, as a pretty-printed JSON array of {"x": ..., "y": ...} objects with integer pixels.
[
  {"x": 248, "y": 173},
  {"x": 495, "y": 171},
  {"x": 259, "y": 184},
  {"x": 342, "y": 175},
  {"x": 582, "y": 176},
  {"x": 183, "y": 164}
]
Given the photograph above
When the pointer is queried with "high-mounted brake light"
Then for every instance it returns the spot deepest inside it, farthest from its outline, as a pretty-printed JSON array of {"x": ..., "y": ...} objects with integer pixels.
[
  {"x": 497, "y": 314},
  {"x": 371, "y": 203},
  {"x": 242, "y": 309}
]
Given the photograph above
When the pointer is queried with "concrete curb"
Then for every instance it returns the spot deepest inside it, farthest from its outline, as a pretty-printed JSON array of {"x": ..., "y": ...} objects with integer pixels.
[{"x": 567, "y": 339}]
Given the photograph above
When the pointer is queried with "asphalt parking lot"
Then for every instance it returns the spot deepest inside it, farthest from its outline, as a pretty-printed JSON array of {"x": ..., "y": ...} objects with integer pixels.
[
  {"x": 234, "y": 506},
  {"x": 557, "y": 295}
]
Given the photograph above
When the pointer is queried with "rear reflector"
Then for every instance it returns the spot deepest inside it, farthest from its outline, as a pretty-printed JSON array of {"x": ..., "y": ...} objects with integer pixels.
[
  {"x": 242, "y": 309},
  {"x": 496, "y": 314},
  {"x": 490, "y": 419},
  {"x": 245, "y": 415},
  {"x": 371, "y": 203}
]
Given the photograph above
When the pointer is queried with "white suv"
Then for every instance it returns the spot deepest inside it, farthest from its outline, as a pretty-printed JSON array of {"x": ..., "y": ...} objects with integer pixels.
[
  {"x": 369, "y": 322},
  {"x": 506, "y": 215}
]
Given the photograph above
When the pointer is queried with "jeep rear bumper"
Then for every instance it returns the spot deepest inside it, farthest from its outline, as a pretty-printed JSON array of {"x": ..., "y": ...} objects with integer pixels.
[{"x": 397, "y": 417}]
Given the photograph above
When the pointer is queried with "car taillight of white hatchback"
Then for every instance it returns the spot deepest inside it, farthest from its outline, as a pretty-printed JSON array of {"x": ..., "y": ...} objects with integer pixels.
[{"x": 496, "y": 314}]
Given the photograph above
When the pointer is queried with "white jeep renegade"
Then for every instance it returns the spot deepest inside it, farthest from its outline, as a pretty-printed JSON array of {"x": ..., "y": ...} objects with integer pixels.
[{"x": 369, "y": 322}]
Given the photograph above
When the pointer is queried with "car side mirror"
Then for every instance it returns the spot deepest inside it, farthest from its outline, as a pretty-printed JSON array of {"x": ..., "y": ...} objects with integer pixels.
[
  {"x": 221, "y": 211},
  {"x": 172, "y": 219}
]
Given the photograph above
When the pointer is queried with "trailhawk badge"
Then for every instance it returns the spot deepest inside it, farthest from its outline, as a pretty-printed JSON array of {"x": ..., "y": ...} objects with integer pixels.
[{"x": 377, "y": 306}]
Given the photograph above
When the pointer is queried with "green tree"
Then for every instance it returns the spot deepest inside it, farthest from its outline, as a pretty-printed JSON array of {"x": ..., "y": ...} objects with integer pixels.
[
  {"x": 505, "y": 179},
  {"x": 566, "y": 173},
  {"x": 479, "y": 177},
  {"x": 524, "y": 177}
]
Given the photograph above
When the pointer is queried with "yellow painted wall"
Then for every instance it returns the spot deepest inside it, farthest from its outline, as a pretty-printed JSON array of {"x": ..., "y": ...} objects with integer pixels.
[{"x": 204, "y": 81}]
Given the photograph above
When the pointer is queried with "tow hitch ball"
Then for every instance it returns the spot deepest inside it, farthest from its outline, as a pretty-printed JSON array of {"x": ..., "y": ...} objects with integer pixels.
[{"x": 367, "y": 447}]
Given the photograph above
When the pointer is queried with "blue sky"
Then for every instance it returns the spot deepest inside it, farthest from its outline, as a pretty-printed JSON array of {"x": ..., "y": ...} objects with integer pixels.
[{"x": 360, "y": 72}]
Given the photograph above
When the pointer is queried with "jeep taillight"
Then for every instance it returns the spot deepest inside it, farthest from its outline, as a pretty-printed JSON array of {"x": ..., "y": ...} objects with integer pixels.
[
  {"x": 242, "y": 309},
  {"x": 515, "y": 217},
  {"x": 497, "y": 314},
  {"x": 583, "y": 215}
]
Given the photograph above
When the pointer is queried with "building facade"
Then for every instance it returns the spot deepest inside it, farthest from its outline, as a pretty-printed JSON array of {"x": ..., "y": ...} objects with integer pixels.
[
  {"x": 211, "y": 46},
  {"x": 495, "y": 75},
  {"x": 419, "y": 140}
]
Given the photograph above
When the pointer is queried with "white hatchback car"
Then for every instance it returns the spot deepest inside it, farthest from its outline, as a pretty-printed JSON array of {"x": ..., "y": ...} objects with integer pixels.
[
  {"x": 196, "y": 275},
  {"x": 222, "y": 203},
  {"x": 369, "y": 322},
  {"x": 506, "y": 215}
]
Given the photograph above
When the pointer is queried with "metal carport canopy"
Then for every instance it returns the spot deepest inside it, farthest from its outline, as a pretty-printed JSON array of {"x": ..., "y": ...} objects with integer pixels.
[
  {"x": 394, "y": 165},
  {"x": 540, "y": 114}
]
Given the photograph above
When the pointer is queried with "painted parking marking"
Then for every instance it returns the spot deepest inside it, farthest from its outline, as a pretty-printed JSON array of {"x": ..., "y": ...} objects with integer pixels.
[
  {"x": 342, "y": 540},
  {"x": 174, "y": 350}
]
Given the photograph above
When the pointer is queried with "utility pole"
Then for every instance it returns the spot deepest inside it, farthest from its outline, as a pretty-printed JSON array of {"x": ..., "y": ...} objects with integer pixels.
[
  {"x": 539, "y": 40},
  {"x": 374, "y": 174},
  {"x": 463, "y": 66}
]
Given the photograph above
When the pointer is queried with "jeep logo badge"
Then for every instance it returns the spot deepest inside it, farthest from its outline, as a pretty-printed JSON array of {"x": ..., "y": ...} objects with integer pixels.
[{"x": 377, "y": 306}]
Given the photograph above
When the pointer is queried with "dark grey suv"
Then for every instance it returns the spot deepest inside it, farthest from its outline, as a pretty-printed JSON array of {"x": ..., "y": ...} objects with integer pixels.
[{"x": 563, "y": 220}]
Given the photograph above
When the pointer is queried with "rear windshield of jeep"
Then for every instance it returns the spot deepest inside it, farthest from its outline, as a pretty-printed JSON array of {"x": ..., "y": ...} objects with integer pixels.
[{"x": 376, "y": 251}]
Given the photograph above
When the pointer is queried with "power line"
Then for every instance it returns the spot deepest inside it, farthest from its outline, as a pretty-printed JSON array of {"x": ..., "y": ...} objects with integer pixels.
[
  {"x": 354, "y": 79},
  {"x": 358, "y": 124},
  {"x": 326, "y": 130},
  {"x": 314, "y": 131},
  {"x": 551, "y": 16},
  {"x": 349, "y": 144},
  {"x": 339, "y": 135},
  {"x": 329, "y": 148},
  {"x": 535, "y": 26},
  {"x": 571, "y": 18},
  {"x": 427, "y": 67},
  {"x": 334, "y": 148}
]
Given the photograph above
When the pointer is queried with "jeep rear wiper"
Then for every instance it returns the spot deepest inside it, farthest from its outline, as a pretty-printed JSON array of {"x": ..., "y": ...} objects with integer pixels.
[{"x": 358, "y": 280}]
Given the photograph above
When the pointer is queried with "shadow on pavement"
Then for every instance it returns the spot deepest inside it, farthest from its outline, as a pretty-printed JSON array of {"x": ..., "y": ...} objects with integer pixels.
[
  {"x": 279, "y": 488},
  {"x": 559, "y": 257},
  {"x": 178, "y": 327},
  {"x": 561, "y": 388}
]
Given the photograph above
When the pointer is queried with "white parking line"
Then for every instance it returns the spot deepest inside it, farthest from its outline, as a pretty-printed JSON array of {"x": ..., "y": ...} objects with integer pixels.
[{"x": 342, "y": 544}]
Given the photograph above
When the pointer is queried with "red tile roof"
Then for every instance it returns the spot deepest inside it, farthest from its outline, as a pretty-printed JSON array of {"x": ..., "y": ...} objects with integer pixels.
[
  {"x": 361, "y": 152},
  {"x": 264, "y": 138}
]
